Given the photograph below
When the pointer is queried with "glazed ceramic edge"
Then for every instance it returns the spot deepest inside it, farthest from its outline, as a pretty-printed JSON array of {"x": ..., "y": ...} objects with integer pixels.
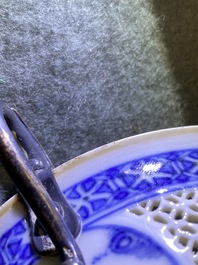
[
  {"x": 125, "y": 150},
  {"x": 119, "y": 152}
]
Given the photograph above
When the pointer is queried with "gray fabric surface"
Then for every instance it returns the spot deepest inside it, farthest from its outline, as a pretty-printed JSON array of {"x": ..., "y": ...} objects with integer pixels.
[{"x": 86, "y": 73}]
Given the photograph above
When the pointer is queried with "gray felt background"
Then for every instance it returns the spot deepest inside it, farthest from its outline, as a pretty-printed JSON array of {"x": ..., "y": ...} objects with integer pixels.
[{"x": 85, "y": 73}]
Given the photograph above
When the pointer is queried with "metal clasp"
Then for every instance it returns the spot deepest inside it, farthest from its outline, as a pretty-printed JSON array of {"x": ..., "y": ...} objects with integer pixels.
[{"x": 53, "y": 222}]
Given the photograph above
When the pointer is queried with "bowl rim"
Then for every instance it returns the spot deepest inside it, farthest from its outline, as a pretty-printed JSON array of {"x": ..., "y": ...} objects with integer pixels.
[{"x": 87, "y": 157}]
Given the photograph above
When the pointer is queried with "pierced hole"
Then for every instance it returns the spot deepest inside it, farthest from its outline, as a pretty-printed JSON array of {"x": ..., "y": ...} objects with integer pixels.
[
  {"x": 166, "y": 209},
  {"x": 190, "y": 195},
  {"x": 172, "y": 231},
  {"x": 172, "y": 199},
  {"x": 195, "y": 247},
  {"x": 183, "y": 241},
  {"x": 192, "y": 219},
  {"x": 189, "y": 229},
  {"x": 137, "y": 211},
  {"x": 179, "y": 194},
  {"x": 194, "y": 207},
  {"x": 179, "y": 215},
  {"x": 143, "y": 204},
  {"x": 160, "y": 219},
  {"x": 154, "y": 206}
]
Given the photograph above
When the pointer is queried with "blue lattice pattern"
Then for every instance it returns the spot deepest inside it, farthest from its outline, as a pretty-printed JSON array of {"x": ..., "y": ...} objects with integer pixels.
[
  {"x": 134, "y": 180},
  {"x": 13, "y": 250},
  {"x": 128, "y": 183}
]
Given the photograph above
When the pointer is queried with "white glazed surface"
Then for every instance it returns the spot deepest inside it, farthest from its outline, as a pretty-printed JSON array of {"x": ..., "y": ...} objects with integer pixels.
[{"x": 94, "y": 241}]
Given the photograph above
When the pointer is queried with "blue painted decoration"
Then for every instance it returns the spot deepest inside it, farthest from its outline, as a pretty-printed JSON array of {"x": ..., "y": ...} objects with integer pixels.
[
  {"x": 133, "y": 181},
  {"x": 108, "y": 191},
  {"x": 13, "y": 250},
  {"x": 127, "y": 241}
]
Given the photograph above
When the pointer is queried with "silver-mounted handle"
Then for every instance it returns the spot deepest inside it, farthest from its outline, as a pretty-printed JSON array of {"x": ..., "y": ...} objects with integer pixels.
[{"x": 31, "y": 170}]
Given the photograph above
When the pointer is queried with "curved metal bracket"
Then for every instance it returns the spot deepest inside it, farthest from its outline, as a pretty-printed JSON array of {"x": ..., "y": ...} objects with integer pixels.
[{"x": 51, "y": 217}]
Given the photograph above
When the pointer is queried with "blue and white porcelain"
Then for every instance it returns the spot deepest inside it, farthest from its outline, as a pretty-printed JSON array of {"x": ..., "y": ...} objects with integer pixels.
[{"x": 137, "y": 198}]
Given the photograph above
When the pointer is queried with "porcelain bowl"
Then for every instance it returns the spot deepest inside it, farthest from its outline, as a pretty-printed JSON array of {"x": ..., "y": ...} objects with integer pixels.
[{"x": 137, "y": 197}]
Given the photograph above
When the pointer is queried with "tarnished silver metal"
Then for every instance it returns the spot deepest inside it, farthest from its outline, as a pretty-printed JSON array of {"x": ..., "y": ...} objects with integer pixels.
[{"x": 53, "y": 222}]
